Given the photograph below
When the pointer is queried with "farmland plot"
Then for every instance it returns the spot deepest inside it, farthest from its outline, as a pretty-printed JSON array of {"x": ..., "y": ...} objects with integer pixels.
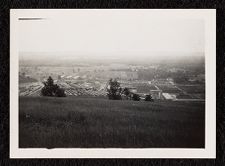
[
  {"x": 193, "y": 88},
  {"x": 167, "y": 88}
]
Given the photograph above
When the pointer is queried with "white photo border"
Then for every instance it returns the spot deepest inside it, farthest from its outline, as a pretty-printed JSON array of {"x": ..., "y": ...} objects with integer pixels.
[{"x": 209, "y": 17}]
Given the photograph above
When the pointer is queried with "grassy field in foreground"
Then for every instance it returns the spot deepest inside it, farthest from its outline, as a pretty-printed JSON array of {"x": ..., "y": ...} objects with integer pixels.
[{"x": 97, "y": 122}]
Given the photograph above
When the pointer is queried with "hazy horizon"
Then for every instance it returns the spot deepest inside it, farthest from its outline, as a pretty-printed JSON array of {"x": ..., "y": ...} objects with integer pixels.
[
  {"x": 110, "y": 35},
  {"x": 74, "y": 56}
]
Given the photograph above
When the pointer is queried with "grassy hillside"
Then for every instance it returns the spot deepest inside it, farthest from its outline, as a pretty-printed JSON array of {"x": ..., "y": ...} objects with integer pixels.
[{"x": 98, "y": 122}]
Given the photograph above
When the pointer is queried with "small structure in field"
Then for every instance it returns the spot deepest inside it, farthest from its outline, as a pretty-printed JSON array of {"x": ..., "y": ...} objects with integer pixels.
[
  {"x": 132, "y": 89},
  {"x": 169, "y": 96}
]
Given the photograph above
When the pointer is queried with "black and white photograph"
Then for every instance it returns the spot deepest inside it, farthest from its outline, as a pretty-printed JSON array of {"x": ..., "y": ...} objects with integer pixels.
[{"x": 113, "y": 79}]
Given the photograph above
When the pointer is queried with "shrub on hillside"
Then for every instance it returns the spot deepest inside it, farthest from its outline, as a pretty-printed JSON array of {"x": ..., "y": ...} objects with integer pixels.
[
  {"x": 136, "y": 97},
  {"x": 148, "y": 98},
  {"x": 126, "y": 92},
  {"x": 51, "y": 89},
  {"x": 60, "y": 92},
  {"x": 114, "y": 90}
]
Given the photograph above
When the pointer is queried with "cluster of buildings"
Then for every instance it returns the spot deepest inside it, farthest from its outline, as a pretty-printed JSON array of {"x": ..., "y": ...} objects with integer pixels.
[{"x": 91, "y": 80}]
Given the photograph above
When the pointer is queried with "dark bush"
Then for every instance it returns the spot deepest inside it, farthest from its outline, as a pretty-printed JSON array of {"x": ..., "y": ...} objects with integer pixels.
[
  {"x": 126, "y": 92},
  {"x": 148, "y": 98},
  {"x": 60, "y": 93},
  {"x": 114, "y": 90},
  {"x": 136, "y": 97},
  {"x": 51, "y": 89}
]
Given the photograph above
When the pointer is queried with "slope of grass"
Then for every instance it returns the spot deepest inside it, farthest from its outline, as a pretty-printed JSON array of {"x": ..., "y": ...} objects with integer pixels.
[{"x": 101, "y": 123}]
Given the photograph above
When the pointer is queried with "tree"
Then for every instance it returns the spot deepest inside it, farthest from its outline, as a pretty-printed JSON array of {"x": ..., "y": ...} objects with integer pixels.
[
  {"x": 51, "y": 89},
  {"x": 136, "y": 97},
  {"x": 148, "y": 98},
  {"x": 114, "y": 90},
  {"x": 126, "y": 92}
]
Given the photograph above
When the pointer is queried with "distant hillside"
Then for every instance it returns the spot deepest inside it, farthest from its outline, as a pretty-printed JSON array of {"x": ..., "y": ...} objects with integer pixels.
[{"x": 25, "y": 79}]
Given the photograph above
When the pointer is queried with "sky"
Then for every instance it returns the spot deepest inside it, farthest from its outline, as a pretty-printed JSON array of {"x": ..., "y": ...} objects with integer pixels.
[{"x": 113, "y": 34}]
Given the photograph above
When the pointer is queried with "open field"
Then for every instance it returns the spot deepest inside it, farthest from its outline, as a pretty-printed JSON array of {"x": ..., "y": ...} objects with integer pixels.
[
  {"x": 98, "y": 122},
  {"x": 168, "y": 88},
  {"x": 193, "y": 88},
  {"x": 144, "y": 88}
]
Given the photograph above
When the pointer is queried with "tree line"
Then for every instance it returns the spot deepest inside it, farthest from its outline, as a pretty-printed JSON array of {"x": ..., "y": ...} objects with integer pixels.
[{"x": 114, "y": 91}]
